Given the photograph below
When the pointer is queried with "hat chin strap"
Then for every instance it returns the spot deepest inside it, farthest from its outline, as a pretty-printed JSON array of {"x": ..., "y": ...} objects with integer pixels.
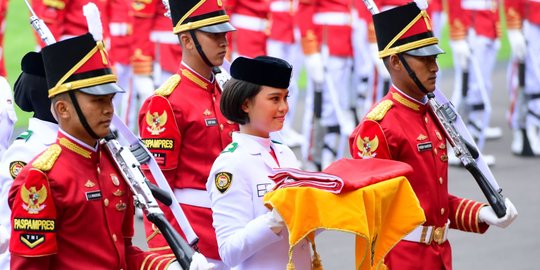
[
  {"x": 412, "y": 74},
  {"x": 199, "y": 48},
  {"x": 81, "y": 116}
]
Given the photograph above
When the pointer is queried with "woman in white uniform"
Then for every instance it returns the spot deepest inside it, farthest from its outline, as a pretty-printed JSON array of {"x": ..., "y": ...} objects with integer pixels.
[{"x": 249, "y": 235}]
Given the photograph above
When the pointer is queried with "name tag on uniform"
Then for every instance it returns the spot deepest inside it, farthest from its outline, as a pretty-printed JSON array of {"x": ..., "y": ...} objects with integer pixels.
[
  {"x": 93, "y": 195},
  {"x": 211, "y": 122},
  {"x": 262, "y": 189},
  {"x": 424, "y": 146}
]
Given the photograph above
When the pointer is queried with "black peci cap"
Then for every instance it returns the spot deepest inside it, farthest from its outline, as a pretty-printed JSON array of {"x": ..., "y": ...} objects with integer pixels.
[{"x": 262, "y": 70}]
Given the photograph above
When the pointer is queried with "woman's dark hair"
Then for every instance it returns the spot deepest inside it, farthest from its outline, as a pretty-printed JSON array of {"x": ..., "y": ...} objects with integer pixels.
[{"x": 235, "y": 92}]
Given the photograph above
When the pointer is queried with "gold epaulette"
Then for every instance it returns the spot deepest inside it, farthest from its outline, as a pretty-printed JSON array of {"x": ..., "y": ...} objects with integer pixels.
[
  {"x": 57, "y": 4},
  {"x": 46, "y": 160},
  {"x": 378, "y": 113},
  {"x": 168, "y": 86}
]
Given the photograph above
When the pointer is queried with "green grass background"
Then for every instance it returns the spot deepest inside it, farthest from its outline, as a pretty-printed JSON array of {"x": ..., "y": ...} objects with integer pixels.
[{"x": 19, "y": 40}]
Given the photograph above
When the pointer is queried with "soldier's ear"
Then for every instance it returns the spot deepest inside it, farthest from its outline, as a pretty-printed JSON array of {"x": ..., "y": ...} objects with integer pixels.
[
  {"x": 185, "y": 40},
  {"x": 394, "y": 62}
]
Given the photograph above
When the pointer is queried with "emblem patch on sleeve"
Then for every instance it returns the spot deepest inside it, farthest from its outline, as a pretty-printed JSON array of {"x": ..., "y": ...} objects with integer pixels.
[
  {"x": 15, "y": 168},
  {"x": 367, "y": 147},
  {"x": 33, "y": 198},
  {"x": 223, "y": 181},
  {"x": 156, "y": 122}
]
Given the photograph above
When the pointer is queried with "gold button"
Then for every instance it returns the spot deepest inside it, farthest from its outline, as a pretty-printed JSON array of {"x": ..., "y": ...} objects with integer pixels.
[
  {"x": 441, "y": 180},
  {"x": 114, "y": 237},
  {"x": 442, "y": 211},
  {"x": 106, "y": 202}
]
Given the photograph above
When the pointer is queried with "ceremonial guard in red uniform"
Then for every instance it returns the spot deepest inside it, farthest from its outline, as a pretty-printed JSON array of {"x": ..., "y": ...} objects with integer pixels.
[
  {"x": 71, "y": 208},
  {"x": 474, "y": 34},
  {"x": 250, "y": 18},
  {"x": 181, "y": 123},
  {"x": 326, "y": 31},
  {"x": 65, "y": 18},
  {"x": 523, "y": 23},
  {"x": 402, "y": 127},
  {"x": 30, "y": 91},
  {"x": 284, "y": 43}
]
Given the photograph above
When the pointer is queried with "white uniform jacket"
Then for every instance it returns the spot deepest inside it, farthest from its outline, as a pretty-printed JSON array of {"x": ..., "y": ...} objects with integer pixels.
[
  {"x": 7, "y": 115},
  {"x": 237, "y": 183},
  {"x": 40, "y": 135}
]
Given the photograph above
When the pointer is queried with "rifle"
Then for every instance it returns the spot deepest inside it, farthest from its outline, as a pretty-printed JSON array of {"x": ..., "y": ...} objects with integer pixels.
[
  {"x": 144, "y": 192},
  {"x": 40, "y": 27},
  {"x": 467, "y": 153}
]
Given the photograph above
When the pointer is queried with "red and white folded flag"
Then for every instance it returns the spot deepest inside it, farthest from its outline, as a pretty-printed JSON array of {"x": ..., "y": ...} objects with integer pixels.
[{"x": 289, "y": 177}]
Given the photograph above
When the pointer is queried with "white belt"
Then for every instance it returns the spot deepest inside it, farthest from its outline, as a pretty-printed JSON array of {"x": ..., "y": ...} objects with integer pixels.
[
  {"x": 166, "y": 37},
  {"x": 194, "y": 197},
  {"x": 119, "y": 29},
  {"x": 332, "y": 18},
  {"x": 478, "y": 4},
  {"x": 281, "y": 6},
  {"x": 426, "y": 234},
  {"x": 249, "y": 22}
]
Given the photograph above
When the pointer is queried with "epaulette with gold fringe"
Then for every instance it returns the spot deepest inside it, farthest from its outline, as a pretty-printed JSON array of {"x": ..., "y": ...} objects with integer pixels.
[
  {"x": 46, "y": 160},
  {"x": 168, "y": 86},
  {"x": 378, "y": 113}
]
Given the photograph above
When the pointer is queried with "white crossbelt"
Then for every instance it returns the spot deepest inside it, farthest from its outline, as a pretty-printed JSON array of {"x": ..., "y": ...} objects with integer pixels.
[
  {"x": 119, "y": 29},
  {"x": 427, "y": 234},
  {"x": 281, "y": 6},
  {"x": 479, "y": 4},
  {"x": 332, "y": 18},
  {"x": 194, "y": 197},
  {"x": 164, "y": 37},
  {"x": 249, "y": 22}
]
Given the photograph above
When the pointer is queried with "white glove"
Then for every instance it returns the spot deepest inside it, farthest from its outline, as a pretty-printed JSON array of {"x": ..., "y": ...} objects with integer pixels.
[
  {"x": 143, "y": 85},
  {"x": 487, "y": 215},
  {"x": 4, "y": 239},
  {"x": 379, "y": 64},
  {"x": 314, "y": 67},
  {"x": 518, "y": 44},
  {"x": 462, "y": 52},
  {"x": 199, "y": 262},
  {"x": 274, "y": 221}
]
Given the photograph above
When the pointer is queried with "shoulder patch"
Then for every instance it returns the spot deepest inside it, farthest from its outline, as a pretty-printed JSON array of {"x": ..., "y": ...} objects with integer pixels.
[
  {"x": 25, "y": 135},
  {"x": 15, "y": 168},
  {"x": 223, "y": 181},
  {"x": 46, "y": 160},
  {"x": 378, "y": 113},
  {"x": 230, "y": 148},
  {"x": 168, "y": 86}
]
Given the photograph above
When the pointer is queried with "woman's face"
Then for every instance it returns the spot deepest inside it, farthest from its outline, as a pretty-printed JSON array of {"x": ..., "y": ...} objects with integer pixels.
[{"x": 266, "y": 111}]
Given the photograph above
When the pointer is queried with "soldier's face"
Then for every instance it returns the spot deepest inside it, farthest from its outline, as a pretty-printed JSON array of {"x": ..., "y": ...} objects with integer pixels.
[
  {"x": 98, "y": 111},
  {"x": 426, "y": 69},
  {"x": 214, "y": 46},
  {"x": 266, "y": 111}
]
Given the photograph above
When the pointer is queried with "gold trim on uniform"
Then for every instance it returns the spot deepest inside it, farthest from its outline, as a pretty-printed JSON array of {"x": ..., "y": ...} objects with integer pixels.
[
  {"x": 75, "y": 148},
  {"x": 115, "y": 180},
  {"x": 155, "y": 122},
  {"x": 380, "y": 110},
  {"x": 198, "y": 24},
  {"x": 421, "y": 137},
  {"x": 56, "y": 4},
  {"x": 46, "y": 160},
  {"x": 444, "y": 158},
  {"x": 33, "y": 198},
  {"x": 89, "y": 184},
  {"x": 223, "y": 181},
  {"x": 442, "y": 146},
  {"x": 207, "y": 112},
  {"x": 168, "y": 86},
  {"x": 438, "y": 134},
  {"x": 121, "y": 206},
  {"x": 399, "y": 98},
  {"x": 119, "y": 193},
  {"x": 194, "y": 78}
]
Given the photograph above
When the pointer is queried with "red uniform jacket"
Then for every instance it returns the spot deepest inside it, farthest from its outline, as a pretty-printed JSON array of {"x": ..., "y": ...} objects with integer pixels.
[
  {"x": 249, "y": 39},
  {"x": 71, "y": 209},
  {"x": 3, "y": 10},
  {"x": 485, "y": 22},
  {"x": 518, "y": 10},
  {"x": 153, "y": 40},
  {"x": 403, "y": 129},
  {"x": 121, "y": 31},
  {"x": 182, "y": 125},
  {"x": 333, "y": 30},
  {"x": 282, "y": 21}
]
